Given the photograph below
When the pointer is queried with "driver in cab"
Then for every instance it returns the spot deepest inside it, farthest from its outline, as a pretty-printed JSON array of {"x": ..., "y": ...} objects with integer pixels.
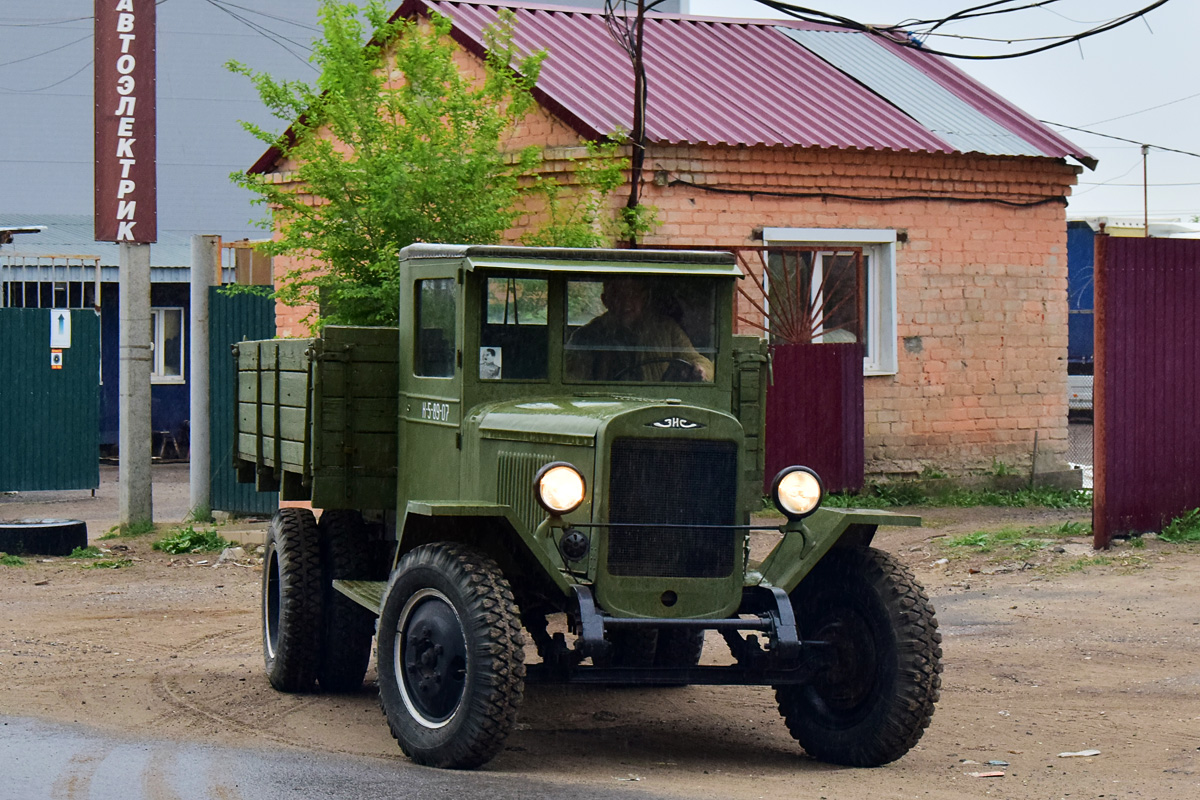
[{"x": 633, "y": 341}]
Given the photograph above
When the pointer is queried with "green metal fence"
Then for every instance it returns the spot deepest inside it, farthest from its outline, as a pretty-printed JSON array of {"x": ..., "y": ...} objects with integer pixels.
[
  {"x": 232, "y": 318},
  {"x": 49, "y": 399}
]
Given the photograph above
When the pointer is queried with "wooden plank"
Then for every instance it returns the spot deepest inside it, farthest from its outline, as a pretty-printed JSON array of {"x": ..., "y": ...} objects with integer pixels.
[
  {"x": 370, "y": 415},
  {"x": 361, "y": 379},
  {"x": 367, "y": 451},
  {"x": 366, "y": 492}
]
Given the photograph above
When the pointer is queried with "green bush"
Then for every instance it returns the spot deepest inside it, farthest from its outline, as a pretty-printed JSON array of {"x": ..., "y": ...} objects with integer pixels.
[
  {"x": 85, "y": 552},
  {"x": 1184, "y": 528},
  {"x": 189, "y": 540}
]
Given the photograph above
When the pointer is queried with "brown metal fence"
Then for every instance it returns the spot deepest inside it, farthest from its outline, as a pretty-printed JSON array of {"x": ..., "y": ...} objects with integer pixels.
[
  {"x": 815, "y": 412},
  {"x": 1147, "y": 387}
]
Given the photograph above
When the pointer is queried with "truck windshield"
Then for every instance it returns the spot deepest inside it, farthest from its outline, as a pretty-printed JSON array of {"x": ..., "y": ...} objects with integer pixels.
[{"x": 640, "y": 329}]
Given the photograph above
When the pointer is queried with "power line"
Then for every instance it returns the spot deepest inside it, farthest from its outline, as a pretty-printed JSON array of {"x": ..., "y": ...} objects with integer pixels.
[
  {"x": 85, "y": 37},
  {"x": 265, "y": 32},
  {"x": 1120, "y": 138},
  {"x": 49, "y": 86},
  {"x": 907, "y": 38},
  {"x": 1144, "y": 110},
  {"x": 44, "y": 24},
  {"x": 274, "y": 17},
  {"x": 1137, "y": 185}
]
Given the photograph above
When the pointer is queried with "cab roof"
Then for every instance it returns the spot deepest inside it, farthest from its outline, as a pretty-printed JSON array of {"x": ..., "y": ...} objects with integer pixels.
[{"x": 571, "y": 259}]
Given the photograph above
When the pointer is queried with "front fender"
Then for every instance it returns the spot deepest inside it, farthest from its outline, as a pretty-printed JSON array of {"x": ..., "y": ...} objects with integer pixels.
[
  {"x": 806, "y": 542},
  {"x": 460, "y": 522}
]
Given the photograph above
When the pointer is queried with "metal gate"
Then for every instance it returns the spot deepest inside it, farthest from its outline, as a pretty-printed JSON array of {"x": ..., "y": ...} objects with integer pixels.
[
  {"x": 49, "y": 399},
  {"x": 815, "y": 413},
  {"x": 1147, "y": 436},
  {"x": 232, "y": 318}
]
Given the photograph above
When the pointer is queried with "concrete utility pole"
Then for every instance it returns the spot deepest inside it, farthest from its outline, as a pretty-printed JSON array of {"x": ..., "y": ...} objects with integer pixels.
[
  {"x": 205, "y": 261},
  {"x": 135, "y": 439}
]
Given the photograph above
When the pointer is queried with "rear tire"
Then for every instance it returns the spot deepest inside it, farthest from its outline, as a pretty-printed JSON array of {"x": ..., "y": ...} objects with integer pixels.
[
  {"x": 876, "y": 699},
  {"x": 347, "y": 628},
  {"x": 291, "y": 600},
  {"x": 450, "y": 656}
]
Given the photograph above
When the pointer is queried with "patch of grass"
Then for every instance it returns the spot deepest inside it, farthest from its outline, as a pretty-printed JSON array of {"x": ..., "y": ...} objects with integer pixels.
[
  {"x": 1184, "y": 528},
  {"x": 1080, "y": 564},
  {"x": 1072, "y": 528},
  {"x": 1137, "y": 543},
  {"x": 1041, "y": 497},
  {"x": 908, "y": 493},
  {"x": 190, "y": 540},
  {"x": 931, "y": 473},
  {"x": 7, "y": 560},
  {"x": 987, "y": 541},
  {"x": 201, "y": 514},
  {"x": 851, "y": 500},
  {"x": 85, "y": 552},
  {"x": 1001, "y": 470},
  {"x": 109, "y": 564},
  {"x": 136, "y": 529}
]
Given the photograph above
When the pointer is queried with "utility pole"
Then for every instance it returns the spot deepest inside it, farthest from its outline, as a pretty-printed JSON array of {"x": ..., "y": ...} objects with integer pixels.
[
  {"x": 1145, "y": 192},
  {"x": 205, "y": 263}
]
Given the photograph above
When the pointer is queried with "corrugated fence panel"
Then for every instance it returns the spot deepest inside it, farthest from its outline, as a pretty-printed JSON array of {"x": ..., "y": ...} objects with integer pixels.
[
  {"x": 49, "y": 418},
  {"x": 815, "y": 413},
  {"x": 232, "y": 318},
  {"x": 1147, "y": 449}
]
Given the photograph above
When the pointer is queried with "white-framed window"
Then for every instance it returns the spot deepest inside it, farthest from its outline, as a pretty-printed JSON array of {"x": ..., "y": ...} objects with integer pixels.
[
  {"x": 879, "y": 278},
  {"x": 166, "y": 345}
]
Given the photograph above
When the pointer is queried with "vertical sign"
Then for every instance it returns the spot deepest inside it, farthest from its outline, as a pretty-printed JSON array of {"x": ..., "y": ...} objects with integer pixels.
[{"x": 126, "y": 190}]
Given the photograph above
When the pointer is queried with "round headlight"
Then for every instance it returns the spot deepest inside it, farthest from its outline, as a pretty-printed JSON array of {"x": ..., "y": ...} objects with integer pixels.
[
  {"x": 797, "y": 492},
  {"x": 559, "y": 488}
]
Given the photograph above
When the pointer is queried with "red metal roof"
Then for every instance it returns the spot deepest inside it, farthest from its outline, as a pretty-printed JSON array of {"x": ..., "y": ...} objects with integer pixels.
[{"x": 735, "y": 82}]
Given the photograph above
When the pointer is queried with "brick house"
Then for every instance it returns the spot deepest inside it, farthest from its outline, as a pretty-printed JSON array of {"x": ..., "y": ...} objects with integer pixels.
[{"x": 789, "y": 134}]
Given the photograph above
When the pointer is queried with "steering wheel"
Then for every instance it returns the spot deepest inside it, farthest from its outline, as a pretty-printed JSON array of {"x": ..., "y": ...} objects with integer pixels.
[{"x": 680, "y": 371}]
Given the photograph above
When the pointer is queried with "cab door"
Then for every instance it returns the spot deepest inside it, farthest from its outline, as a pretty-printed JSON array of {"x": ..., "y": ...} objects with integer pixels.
[{"x": 431, "y": 335}]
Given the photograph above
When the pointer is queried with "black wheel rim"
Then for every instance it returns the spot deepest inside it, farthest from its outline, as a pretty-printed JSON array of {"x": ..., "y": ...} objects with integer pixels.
[
  {"x": 430, "y": 658},
  {"x": 842, "y": 694},
  {"x": 271, "y": 603}
]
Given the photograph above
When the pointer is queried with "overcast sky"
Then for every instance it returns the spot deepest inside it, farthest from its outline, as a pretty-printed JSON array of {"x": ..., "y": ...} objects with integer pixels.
[
  {"x": 1113, "y": 83},
  {"x": 1110, "y": 83}
]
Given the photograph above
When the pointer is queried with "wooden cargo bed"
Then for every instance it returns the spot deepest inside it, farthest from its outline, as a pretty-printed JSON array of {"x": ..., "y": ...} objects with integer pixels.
[{"x": 317, "y": 417}]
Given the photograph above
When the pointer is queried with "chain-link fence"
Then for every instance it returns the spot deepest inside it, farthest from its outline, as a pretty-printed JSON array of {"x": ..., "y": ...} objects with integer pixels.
[{"x": 1079, "y": 429}]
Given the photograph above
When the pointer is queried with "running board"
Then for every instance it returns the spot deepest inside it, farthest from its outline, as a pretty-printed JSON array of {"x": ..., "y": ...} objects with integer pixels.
[{"x": 368, "y": 594}]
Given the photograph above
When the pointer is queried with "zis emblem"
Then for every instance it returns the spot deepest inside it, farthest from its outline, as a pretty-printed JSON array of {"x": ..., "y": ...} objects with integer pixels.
[{"x": 675, "y": 422}]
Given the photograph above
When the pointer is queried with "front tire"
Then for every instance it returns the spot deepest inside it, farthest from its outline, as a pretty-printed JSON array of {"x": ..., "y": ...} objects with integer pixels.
[
  {"x": 877, "y": 697},
  {"x": 450, "y": 656},
  {"x": 291, "y": 600}
]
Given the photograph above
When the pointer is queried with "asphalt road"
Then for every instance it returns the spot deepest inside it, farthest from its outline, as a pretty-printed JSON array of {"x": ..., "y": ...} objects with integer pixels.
[{"x": 59, "y": 762}]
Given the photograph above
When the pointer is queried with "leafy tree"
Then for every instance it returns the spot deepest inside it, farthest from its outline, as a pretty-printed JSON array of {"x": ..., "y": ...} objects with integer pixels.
[
  {"x": 414, "y": 156},
  {"x": 577, "y": 219}
]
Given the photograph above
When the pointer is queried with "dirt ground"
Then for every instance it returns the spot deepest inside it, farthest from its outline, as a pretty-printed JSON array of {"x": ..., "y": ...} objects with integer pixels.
[{"x": 1045, "y": 653}]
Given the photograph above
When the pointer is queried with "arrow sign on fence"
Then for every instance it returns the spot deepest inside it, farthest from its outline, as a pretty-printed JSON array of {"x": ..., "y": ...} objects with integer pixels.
[{"x": 60, "y": 328}]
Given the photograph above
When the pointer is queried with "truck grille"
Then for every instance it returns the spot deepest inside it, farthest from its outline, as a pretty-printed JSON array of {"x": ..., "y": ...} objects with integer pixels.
[{"x": 678, "y": 483}]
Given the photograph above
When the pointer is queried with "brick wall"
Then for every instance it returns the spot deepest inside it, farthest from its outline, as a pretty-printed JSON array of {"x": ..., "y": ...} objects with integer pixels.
[{"x": 981, "y": 286}]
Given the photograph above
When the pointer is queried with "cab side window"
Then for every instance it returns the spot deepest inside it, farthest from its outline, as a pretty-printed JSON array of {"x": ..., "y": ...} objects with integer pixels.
[
  {"x": 514, "y": 339},
  {"x": 435, "y": 335}
]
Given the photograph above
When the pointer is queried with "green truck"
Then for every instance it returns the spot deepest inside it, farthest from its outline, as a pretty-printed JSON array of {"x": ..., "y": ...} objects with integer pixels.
[{"x": 564, "y": 446}]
